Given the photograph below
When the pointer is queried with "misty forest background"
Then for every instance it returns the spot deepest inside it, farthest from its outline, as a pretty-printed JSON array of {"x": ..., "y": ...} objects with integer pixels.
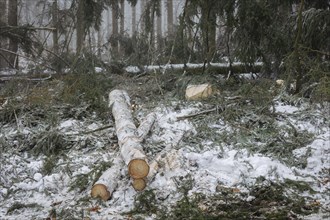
[{"x": 290, "y": 38}]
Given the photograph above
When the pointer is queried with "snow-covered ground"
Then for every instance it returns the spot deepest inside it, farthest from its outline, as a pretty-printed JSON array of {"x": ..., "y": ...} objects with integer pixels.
[{"x": 36, "y": 193}]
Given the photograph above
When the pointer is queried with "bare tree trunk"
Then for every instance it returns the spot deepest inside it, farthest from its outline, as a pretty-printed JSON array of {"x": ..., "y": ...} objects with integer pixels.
[
  {"x": 296, "y": 50},
  {"x": 3, "y": 40},
  {"x": 133, "y": 20},
  {"x": 170, "y": 30},
  {"x": 80, "y": 26},
  {"x": 12, "y": 21},
  {"x": 142, "y": 9},
  {"x": 55, "y": 25},
  {"x": 208, "y": 27},
  {"x": 122, "y": 23},
  {"x": 122, "y": 17},
  {"x": 99, "y": 42},
  {"x": 159, "y": 28},
  {"x": 55, "y": 32},
  {"x": 114, "y": 45}
]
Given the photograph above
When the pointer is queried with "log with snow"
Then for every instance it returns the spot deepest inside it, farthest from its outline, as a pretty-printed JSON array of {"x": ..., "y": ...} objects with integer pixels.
[
  {"x": 107, "y": 183},
  {"x": 130, "y": 145}
]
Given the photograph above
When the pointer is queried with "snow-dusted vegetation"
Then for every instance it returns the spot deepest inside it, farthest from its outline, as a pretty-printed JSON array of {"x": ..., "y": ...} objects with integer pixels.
[
  {"x": 164, "y": 109},
  {"x": 258, "y": 154}
]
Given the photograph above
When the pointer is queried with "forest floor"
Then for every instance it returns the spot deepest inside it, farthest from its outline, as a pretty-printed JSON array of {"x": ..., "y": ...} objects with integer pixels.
[{"x": 259, "y": 154}]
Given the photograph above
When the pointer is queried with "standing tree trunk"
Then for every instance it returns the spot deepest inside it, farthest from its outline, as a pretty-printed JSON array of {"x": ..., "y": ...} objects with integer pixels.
[
  {"x": 134, "y": 20},
  {"x": 143, "y": 11},
  {"x": 159, "y": 28},
  {"x": 99, "y": 42},
  {"x": 122, "y": 24},
  {"x": 296, "y": 50},
  {"x": 55, "y": 25},
  {"x": 170, "y": 30},
  {"x": 80, "y": 26},
  {"x": 55, "y": 33},
  {"x": 114, "y": 41},
  {"x": 208, "y": 27},
  {"x": 13, "y": 44},
  {"x": 3, "y": 40}
]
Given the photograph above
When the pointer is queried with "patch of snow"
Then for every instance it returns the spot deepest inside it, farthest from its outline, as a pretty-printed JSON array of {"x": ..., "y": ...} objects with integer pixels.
[
  {"x": 66, "y": 125},
  {"x": 132, "y": 69},
  {"x": 288, "y": 109},
  {"x": 99, "y": 69}
]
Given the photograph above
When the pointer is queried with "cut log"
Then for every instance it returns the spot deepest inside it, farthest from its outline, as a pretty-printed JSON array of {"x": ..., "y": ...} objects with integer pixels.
[
  {"x": 100, "y": 191},
  {"x": 197, "y": 92},
  {"x": 139, "y": 184},
  {"x": 130, "y": 145},
  {"x": 107, "y": 183}
]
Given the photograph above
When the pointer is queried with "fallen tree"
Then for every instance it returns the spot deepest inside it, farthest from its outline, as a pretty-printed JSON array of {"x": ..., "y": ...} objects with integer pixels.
[
  {"x": 130, "y": 145},
  {"x": 131, "y": 151},
  {"x": 220, "y": 68}
]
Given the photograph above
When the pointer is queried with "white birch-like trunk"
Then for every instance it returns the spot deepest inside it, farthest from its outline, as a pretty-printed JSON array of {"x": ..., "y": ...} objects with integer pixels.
[
  {"x": 107, "y": 183},
  {"x": 130, "y": 145}
]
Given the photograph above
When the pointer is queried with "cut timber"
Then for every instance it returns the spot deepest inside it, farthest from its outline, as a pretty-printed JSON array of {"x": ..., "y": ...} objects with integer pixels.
[
  {"x": 137, "y": 168},
  {"x": 130, "y": 145},
  {"x": 139, "y": 184},
  {"x": 197, "y": 92},
  {"x": 107, "y": 183},
  {"x": 100, "y": 191}
]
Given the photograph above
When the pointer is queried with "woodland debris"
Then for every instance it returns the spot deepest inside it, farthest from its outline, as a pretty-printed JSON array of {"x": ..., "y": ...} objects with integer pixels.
[
  {"x": 197, "y": 92},
  {"x": 167, "y": 159},
  {"x": 216, "y": 109}
]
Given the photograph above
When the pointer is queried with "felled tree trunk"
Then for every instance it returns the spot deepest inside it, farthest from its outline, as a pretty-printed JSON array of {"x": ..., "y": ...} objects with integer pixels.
[
  {"x": 130, "y": 145},
  {"x": 131, "y": 151},
  {"x": 107, "y": 183}
]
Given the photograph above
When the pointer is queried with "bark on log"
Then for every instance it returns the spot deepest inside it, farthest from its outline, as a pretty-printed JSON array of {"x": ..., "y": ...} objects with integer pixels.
[
  {"x": 130, "y": 145},
  {"x": 107, "y": 183},
  {"x": 145, "y": 126}
]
